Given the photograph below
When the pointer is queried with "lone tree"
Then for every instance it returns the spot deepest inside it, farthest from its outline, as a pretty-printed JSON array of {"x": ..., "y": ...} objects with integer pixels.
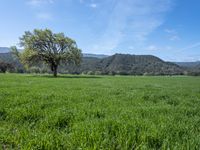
[{"x": 50, "y": 48}]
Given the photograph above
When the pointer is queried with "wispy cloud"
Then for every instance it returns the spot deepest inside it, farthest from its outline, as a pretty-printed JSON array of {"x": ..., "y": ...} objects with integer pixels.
[
  {"x": 174, "y": 38},
  {"x": 89, "y": 3},
  {"x": 81, "y": 1},
  {"x": 133, "y": 20},
  {"x": 152, "y": 48},
  {"x": 39, "y": 7},
  {"x": 44, "y": 16},
  {"x": 36, "y": 3},
  {"x": 173, "y": 50},
  {"x": 194, "y": 45},
  {"x": 172, "y": 34},
  {"x": 187, "y": 53},
  {"x": 93, "y": 5}
]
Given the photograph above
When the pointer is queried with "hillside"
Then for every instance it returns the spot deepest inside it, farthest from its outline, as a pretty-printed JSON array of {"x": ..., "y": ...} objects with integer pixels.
[
  {"x": 188, "y": 64},
  {"x": 139, "y": 64},
  {"x": 122, "y": 64},
  {"x": 6, "y": 57},
  {"x": 129, "y": 65},
  {"x": 4, "y": 49}
]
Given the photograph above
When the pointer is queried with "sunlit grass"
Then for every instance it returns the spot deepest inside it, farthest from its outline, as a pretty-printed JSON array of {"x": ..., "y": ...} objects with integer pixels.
[{"x": 99, "y": 112}]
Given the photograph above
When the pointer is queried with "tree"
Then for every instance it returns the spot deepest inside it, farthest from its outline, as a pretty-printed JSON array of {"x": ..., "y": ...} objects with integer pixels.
[
  {"x": 50, "y": 48},
  {"x": 4, "y": 66}
]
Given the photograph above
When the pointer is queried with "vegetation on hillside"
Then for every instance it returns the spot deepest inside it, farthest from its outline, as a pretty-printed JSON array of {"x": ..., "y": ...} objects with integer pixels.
[
  {"x": 125, "y": 64},
  {"x": 112, "y": 65}
]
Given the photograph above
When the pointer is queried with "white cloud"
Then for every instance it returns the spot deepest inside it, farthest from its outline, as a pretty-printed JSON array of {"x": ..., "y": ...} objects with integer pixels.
[
  {"x": 171, "y": 31},
  {"x": 187, "y": 53},
  {"x": 93, "y": 5},
  {"x": 172, "y": 34},
  {"x": 36, "y": 3},
  {"x": 158, "y": 48},
  {"x": 174, "y": 38},
  {"x": 194, "y": 45},
  {"x": 44, "y": 16},
  {"x": 38, "y": 7},
  {"x": 131, "y": 21},
  {"x": 152, "y": 48},
  {"x": 89, "y": 3}
]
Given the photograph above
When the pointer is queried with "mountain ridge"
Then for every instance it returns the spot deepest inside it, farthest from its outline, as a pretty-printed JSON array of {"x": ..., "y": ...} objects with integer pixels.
[
  {"x": 7, "y": 50},
  {"x": 180, "y": 63},
  {"x": 122, "y": 64}
]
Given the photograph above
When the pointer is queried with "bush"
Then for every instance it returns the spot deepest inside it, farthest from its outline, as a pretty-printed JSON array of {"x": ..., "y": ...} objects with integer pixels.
[
  {"x": 4, "y": 67},
  {"x": 98, "y": 73},
  {"x": 43, "y": 70},
  {"x": 90, "y": 73},
  {"x": 112, "y": 73},
  {"x": 34, "y": 70},
  {"x": 20, "y": 70}
]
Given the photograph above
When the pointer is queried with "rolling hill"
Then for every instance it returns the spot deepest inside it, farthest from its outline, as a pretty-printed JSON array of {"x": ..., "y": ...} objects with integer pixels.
[
  {"x": 188, "y": 64},
  {"x": 126, "y": 64},
  {"x": 122, "y": 64}
]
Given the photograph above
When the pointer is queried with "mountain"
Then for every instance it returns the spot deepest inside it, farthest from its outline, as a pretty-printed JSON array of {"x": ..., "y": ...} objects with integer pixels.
[
  {"x": 191, "y": 68},
  {"x": 188, "y": 64},
  {"x": 7, "y": 50},
  {"x": 122, "y": 64},
  {"x": 139, "y": 64},
  {"x": 6, "y": 57},
  {"x": 94, "y": 55},
  {"x": 4, "y": 49},
  {"x": 128, "y": 65}
]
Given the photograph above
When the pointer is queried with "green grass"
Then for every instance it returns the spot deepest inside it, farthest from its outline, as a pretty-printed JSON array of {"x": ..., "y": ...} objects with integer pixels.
[{"x": 99, "y": 112}]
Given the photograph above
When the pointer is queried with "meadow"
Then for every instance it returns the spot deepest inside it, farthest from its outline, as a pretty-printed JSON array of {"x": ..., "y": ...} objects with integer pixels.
[{"x": 99, "y": 112}]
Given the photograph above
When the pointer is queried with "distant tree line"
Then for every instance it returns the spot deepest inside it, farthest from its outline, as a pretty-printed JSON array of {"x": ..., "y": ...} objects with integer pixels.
[{"x": 114, "y": 65}]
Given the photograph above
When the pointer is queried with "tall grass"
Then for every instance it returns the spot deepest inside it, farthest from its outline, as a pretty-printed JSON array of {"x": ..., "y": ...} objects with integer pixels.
[{"x": 99, "y": 112}]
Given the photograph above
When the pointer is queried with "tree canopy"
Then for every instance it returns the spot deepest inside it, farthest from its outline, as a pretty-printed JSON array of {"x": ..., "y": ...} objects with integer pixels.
[{"x": 48, "y": 47}]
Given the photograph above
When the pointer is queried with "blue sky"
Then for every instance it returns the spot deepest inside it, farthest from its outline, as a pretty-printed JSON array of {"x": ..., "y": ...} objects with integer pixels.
[{"x": 169, "y": 29}]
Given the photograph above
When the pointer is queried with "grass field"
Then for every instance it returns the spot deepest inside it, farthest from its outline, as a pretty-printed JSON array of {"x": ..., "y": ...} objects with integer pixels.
[{"x": 99, "y": 112}]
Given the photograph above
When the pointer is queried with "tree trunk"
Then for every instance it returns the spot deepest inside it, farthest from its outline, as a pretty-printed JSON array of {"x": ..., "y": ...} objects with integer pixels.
[{"x": 55, "y": 71}]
